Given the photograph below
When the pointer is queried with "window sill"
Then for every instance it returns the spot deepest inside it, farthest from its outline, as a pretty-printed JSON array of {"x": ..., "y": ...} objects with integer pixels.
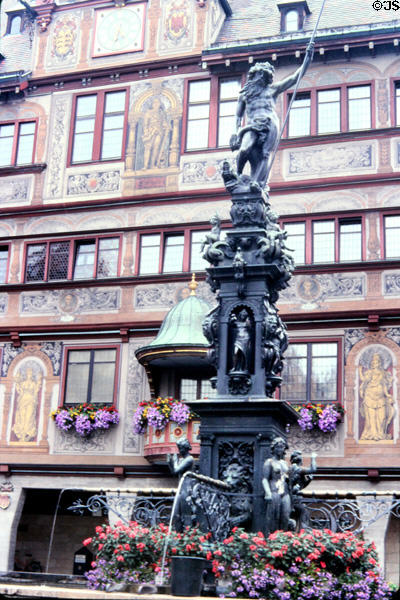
[{"x": 22, "y": 170}]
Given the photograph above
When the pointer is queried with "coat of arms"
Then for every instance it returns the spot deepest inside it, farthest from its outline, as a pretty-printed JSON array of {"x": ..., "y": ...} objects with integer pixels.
[{"x": 177, "y": 21}]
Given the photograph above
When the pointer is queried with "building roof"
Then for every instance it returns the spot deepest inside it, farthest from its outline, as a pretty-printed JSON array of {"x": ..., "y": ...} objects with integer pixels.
[
  {"x": 256, "y": 20},
  {"x": 183, "y": 324}
]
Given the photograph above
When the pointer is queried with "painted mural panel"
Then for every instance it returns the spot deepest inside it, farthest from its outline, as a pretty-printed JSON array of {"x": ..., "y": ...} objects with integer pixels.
[
  {"x": 176, "y": 26},
  {"x": 375, "y": 392},
  {"x": 28, "y": 388},
  {"x": 62, "y": 50}
]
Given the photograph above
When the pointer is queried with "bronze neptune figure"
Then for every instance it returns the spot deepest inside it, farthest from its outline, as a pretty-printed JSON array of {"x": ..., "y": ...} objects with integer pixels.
[{"x": 256, "y": 141}]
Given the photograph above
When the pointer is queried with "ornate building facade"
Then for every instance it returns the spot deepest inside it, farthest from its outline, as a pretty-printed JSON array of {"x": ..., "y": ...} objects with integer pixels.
[{"x": 115, "y": 119}]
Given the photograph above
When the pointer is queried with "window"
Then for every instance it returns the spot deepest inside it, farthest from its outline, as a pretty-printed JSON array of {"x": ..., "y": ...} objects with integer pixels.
[
  {"x": 90, "y": 376},
  {"x": 297, "y": 241},
  {"x": 349, "y": 243},
  {"x": 14, "y": 24},
  {"x": 197, "y": 262},
  {"x": 350, "y": 240},
  {"x": 195, "y": 389},
  {"x": 198, "y": 115},
  {"x": 322, "y": 112},
  {"x": 292, "y": 21},
  {"x": 392, "y": 236},
  {"x": 359, "y": 107},
  {"x": 328, "y": 111},
  {"x": 324, "y": 241},
  {"x": 310, "y": 372},
  {"x": 17, "y": 141},
  {"x": 99, "y": 127},
  {"x": 293, "y": 14},
  {"x": 211, "y": 112},
  {"x": 397, "y": 101},
  {"x": 300, "y": 116},
  {"x": 3, "y": 263},
  {"x": 228, "y": 94},
  {"x": 173, "y": 253},
  {"x": 78, "y": 259}
]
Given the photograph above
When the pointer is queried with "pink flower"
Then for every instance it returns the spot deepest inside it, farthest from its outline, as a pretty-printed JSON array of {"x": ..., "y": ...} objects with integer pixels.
[
  {"x": 87, "y": 541},
  {"x": 120, "y": 558}
]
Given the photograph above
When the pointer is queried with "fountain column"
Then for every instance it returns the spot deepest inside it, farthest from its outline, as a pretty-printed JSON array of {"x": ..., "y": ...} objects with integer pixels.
[{"x": 247, "y": 340}]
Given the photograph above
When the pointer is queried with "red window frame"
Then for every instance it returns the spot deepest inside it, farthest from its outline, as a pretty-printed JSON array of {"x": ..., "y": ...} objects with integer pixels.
[
  {"x": 72, "y": 256},
  {"x": 213, "y": 110},
  {"x": 391, "y": 213},
  {"x": 338, "y": 220},
  {"x": 67, "y": 349},
  {"x": 8, "y": 248},
  {"x": 164, "y": 233},
  {"x": 339, "y": 363},
  {"x": 16, "y": 136},
  {"x": 344, "y": 112},
  {"x": 395, "y": 117},
  {"x": 98, "y": 128}
]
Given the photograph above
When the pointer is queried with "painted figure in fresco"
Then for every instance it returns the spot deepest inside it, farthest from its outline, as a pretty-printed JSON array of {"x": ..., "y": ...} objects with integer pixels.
[
  {"x": 156, "y": 129},
  {"x": 377, "y": 403},
  {"x": 299, "y": 478},
  {"x": 276, "y": 489},
  {"x": 25, "y": 425},
  {"x": 241, "y": 327},
  {"x": 256, "y": 140}
]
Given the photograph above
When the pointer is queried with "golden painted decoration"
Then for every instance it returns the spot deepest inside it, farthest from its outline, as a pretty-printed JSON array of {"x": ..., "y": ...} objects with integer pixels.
[
  {"x": 64, "y": 38},
  {"x": 27, "y": 388},
  {"x": 377, "y": 406}
]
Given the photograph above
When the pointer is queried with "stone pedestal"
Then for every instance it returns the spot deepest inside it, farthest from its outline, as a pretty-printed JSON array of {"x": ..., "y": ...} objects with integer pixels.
[{"x": 235, "y": 439}]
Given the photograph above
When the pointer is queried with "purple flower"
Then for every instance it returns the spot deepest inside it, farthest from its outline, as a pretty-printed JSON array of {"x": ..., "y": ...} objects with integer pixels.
[
  {"x": 328, "y": 419},
  {"x": 155, "y": 418},
  {"x": 103, "y": 419},
  {"x": 180, "y": 413},
  {"x": 83, "y": 425},
  {"x": 139, "y": 425},
  {"x": 305, "y": 419},
  {"x": 64, "y": 420}
]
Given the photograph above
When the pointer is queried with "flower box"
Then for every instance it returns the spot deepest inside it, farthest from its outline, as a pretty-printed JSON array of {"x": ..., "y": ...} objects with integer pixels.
[
  {"x": 84, "y": 419},
  {"x": 159, "y": 443}
]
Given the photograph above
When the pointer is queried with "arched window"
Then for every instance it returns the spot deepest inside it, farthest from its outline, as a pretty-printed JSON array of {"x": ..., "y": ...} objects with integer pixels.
[
  {"x": 15, "y": 25},
  {"x": 292, "y": 20}
]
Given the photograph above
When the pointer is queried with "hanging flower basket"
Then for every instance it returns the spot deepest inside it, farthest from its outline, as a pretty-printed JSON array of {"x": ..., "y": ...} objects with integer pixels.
[
  {"x": 163, "y": 422},
  {"x": 324, "y": 417},
  {"x": 157, "y": 413},
  {"x": 84, "y": 419}
]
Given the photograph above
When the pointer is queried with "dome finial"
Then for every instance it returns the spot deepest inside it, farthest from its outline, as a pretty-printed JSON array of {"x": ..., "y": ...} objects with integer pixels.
[{"x": 193, "y": 285}]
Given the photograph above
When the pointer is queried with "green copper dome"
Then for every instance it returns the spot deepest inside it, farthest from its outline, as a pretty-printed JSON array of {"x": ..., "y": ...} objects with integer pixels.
[{"x": 183, "y": 324}]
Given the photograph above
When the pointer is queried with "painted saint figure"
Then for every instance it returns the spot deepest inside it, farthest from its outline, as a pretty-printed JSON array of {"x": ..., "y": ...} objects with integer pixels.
[
  {"x": 25, "y": 425},
  {"x": 256, "y": 140},
  {"x": 377, "y": 407},
  {"x": 276, "y": 489},
  {"x": 241, "y": 328},
  {"x": 156, "y": 128}
]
